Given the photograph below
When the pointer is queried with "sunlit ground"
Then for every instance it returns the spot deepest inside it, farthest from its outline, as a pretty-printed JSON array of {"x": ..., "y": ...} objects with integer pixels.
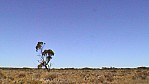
[{"x": 74, "y": 76}]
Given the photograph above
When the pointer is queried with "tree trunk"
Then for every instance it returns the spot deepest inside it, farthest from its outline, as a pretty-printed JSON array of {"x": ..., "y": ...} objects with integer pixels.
[{"x": 47, "y": 68}]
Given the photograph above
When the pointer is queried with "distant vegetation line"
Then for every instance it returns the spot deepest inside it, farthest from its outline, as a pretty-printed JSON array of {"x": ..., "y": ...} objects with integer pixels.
[{"x": 86, "y": 68}]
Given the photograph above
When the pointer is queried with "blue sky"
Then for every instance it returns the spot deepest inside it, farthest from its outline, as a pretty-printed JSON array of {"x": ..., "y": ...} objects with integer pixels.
[{"x": 83, "y": 33}]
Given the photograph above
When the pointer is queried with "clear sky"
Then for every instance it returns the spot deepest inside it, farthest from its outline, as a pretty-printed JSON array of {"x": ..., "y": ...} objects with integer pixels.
[{"x": 83, "y": 33}]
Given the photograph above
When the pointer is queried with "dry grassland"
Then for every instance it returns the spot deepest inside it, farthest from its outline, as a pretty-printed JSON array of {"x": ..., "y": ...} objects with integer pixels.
[{"x": 74, "y": 76}]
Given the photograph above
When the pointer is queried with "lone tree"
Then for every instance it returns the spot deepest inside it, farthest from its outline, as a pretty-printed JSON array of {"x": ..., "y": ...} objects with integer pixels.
[{"x": 46, "y": 55}]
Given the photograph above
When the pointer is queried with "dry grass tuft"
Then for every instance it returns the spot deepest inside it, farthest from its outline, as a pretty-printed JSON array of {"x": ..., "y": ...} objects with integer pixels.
[
  {"x": 21, "y": 75},
  {"x": 142, "y": 75},
  {"x": 37, "y": 76},
  {"x": 2, "y": 76},
  {"x": 50, "y": 77},
  {"x": 35, "y": 82}
]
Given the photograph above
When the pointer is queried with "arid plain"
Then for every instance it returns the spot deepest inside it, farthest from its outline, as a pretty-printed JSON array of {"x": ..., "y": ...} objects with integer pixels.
[{"x": 74, "y": 76}]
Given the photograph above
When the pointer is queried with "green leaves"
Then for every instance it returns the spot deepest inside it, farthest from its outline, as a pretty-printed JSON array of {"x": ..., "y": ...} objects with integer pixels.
[
  {"x": 39, "y": 46},
  {"x": 48, "y": 52}
]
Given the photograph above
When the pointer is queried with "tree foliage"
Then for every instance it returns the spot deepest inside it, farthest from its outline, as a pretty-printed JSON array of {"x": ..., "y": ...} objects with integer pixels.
[{"x": 46, "y": 55}]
